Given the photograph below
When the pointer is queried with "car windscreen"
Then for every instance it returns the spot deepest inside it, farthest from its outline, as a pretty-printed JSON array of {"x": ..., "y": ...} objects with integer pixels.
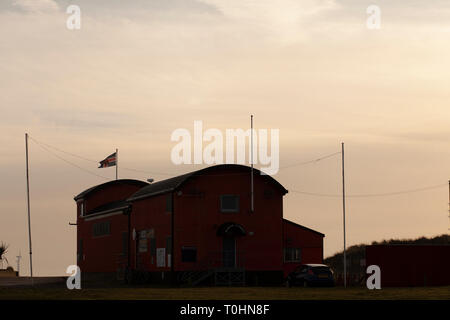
[{"x": 318, "y": 270}]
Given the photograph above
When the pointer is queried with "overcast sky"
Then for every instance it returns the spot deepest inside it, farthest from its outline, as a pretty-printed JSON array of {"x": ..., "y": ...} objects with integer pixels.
[{"x": 138, "y": 70}]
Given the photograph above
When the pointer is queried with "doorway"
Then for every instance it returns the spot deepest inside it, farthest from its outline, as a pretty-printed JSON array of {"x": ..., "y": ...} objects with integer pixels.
[{"x": 229, "y": 251}]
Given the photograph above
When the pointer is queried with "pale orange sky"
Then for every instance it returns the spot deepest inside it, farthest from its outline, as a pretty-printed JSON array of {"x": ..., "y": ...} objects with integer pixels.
[{"x": 137, "y": 71}]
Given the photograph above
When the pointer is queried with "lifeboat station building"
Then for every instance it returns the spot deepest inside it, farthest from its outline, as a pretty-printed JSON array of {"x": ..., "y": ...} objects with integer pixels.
[{"x": 196, "y": 228}]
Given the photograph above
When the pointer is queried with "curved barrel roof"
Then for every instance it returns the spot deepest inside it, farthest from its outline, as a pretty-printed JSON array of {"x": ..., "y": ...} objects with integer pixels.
[
  {"x": 174, "y": 183},
  {"x": 106, "y": 184}
]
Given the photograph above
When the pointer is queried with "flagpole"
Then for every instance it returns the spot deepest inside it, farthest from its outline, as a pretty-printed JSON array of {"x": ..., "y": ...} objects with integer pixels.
[
  {"x": 343, "y": 214},
  {"x": 28, "y": 206},
  {"x": 117, "y": 163},
  {"x": 251, "y": 177}
]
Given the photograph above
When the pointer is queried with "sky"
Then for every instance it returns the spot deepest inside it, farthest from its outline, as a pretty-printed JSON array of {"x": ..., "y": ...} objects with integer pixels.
[{"x": 138, "y": 70}]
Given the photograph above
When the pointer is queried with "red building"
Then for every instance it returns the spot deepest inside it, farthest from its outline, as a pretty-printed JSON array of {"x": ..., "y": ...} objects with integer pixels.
[{"x": 197, "y": 227}]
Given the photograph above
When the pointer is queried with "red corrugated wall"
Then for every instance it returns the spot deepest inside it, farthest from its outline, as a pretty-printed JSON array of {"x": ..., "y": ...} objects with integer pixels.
[
  {"x": 150, "y": 213},
  {"x": 103, "y": 254},
  {"x": 411, "y": 265},
  {"x": 197, "y": 218}
]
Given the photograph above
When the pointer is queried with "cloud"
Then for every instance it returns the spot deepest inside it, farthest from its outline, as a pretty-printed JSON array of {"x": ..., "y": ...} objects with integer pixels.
[
  {"x": 111, "y": 8},
  {"x": 283, "y": 20},
  {"x": 81, "y": 119},
  {"x": 267, "y": 10},
  {"x": 136, "y": 9},
  {"x": 424, "y": 136},
  {"x": 36, "y": 5}
]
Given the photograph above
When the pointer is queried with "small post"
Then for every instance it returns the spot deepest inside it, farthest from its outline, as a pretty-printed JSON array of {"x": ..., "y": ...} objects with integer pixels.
[
  {"x": 18, "y": 263},
  {"x": 343, "y": 213},
  {"x": 28, "y": 206}
]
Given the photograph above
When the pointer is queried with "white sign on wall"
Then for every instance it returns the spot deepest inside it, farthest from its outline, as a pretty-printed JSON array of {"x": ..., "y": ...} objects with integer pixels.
[{"x": 161, "y": 257}]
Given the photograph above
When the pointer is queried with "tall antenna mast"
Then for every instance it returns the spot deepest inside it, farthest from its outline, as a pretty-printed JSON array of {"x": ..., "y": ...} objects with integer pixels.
[
  {"x": 251, "y": 174},
  {"x": 343, "y": 214},
  {"x": 28, "y": 206}
]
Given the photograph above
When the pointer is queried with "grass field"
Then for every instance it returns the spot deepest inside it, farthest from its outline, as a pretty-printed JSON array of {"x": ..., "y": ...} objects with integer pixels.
[{"x": 225, "y": 293}]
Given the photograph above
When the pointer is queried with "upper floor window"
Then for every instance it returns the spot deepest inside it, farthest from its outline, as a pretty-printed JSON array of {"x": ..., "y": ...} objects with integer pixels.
[
  {"x": 101, "y": 229},
  {"x": 268, "y": 194},
  {"x": 229, "y": 203}
]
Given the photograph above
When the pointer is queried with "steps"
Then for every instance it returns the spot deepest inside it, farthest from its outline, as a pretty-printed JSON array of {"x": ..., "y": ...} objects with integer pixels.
[
  {"x": 222, "y": 277},
  {"x": 193, "y": 278}
]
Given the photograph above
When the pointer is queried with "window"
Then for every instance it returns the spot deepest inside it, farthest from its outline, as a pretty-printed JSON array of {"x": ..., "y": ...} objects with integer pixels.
[
  {"x": 101, "y": 229},
  {"x": 268, "y": 194},
  {"x": 229, "y": 203},
  {"x": 188, "y": 254},
  {"x": 169, "y": 202},
  {"x": 153, "y": 246},
  {"x": 143, "y": 242},
  {"x": 81, "y": 208},
  {"x": 292, "y": 254}
]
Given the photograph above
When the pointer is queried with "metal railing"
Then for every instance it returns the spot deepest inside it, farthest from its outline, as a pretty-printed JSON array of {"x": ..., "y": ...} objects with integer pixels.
[
  {"x": 219, "y": 259},
  {"x": 228, "y": 267}
]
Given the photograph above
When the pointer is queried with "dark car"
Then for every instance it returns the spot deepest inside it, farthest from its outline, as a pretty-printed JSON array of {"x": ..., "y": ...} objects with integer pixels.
[{"x": 311, "y": 275}]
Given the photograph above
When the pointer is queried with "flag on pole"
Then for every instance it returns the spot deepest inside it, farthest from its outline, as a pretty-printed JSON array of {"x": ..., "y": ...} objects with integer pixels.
[{"x": 109, "y": 161}]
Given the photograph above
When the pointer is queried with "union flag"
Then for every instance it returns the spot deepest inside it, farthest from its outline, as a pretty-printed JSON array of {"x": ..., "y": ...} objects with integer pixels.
[{"x": 109, "y": 161}]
